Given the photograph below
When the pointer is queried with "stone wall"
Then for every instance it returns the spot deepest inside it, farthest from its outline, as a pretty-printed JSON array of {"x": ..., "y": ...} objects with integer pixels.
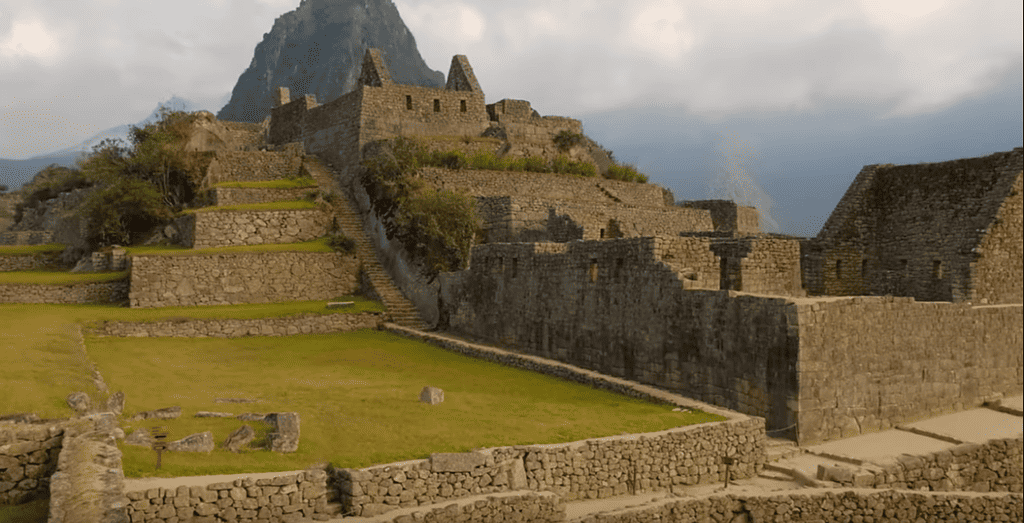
[
  {"x": 26, "y": 237},
  {"x": 531, "y": 219},
  {"x": 252, "y": 166},
  {"x": 285, "y": 498},
  {"x": 946, "y": 231},
  {"x": 590, "y": 469},
  {"x": 916, "y": 360},
  {"x": 224, "y": 228},
  {"x": 995, "y": 466},
  {"x": 28, "y": 457},
  {"x": 109, "y": 292},
  {"x": 760, "y": 265},
  {"x": 552, "y": 186},
  {"x": 728, "y": 217},
  {"x": 222, "y": 279},
  {"x": 232, "y": 328},
  {"x": 817, "y": 505},
  {"x": 88, "y": 485},
  {"x": 29, "y": 262},
  {"x": 242, "y": 196},
  {"x": 632, "y": 308}
]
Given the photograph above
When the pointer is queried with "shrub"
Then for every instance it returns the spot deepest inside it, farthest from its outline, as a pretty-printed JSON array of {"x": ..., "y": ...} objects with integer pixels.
[
  {"x": 341, "y": 243},
  {"x": 122, "y": 211},
  {"x": 626, "y": 173},
  {"x": 446, "y": 159},
  {"x": 566, "y": 139},
  {"x": 564, "y": 165},
  {"x": 536, "y": 164}
]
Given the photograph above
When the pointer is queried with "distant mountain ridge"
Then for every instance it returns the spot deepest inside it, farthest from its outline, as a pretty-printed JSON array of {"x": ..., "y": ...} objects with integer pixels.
[{"x": 318, "y": 49}]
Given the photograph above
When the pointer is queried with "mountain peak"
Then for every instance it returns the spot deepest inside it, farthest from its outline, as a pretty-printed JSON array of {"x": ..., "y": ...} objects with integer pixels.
[{"x": 318, "y": 49}]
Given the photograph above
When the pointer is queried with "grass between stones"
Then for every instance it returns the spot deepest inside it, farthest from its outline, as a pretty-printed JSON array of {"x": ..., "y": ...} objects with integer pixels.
[
  {"x": 59, "y": 277},
  {"x": 270, "y": 206},
  {"x": 35, "y": 511},
  {"x": 318, "y": 245},
  {"x": 288, "y": 183},
  {"x": 21, "y": 250}
]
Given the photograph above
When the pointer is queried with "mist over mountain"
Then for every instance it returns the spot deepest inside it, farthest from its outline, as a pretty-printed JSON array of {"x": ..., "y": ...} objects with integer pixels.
[{"x": 318, "y": 49}]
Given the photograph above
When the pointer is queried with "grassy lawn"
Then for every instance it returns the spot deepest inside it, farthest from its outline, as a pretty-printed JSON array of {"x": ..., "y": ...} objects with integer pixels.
[
  {"x": 59, "y": 277},
  {"x": 357, "y": 395},
  {"x": 270, "y": 206},
  {"x": 21, "y": 250},
  {"x": 244, "y": 311},
  {"x": 288, "y": 183},
  {"x": 318, "y": 245}
]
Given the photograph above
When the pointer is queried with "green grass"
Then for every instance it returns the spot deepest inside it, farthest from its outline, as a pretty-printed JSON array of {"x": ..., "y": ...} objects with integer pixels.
[
  {"x": 36, "y": 511},
  {"x": 244, "y": 311},
  {"x": 59, "y": 278},
  {"x": 21, "y": 250},
  {"x": 357, "y": 395},
  {"x": 270, "y": 206},
  {"x": 287, "y": 183},
  {"x": 318, "y": 245}
]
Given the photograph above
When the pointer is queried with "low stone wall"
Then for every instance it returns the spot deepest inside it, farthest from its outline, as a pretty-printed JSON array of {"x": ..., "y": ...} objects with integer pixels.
[
  {"x": 992, "y": 467},
  {"x": 517, "y": 506},
  {"x": 223, "y": 228},
  {"x": 26, "y": 237},
  {"x": 232, "y": 328},
  {"x": 28, "y": 457},
  {"x": 28, "y": 262},
  {"x": 817, "y": 505},
  {"x": 252, "y": 166},
  {"x": 109, "y": 292},
  {"x": 285, "y": 498},
  {"x": 590, "y": 469},
  {"x": 89, "y": 483},
  {"x": 224, "y": 279},
  {"x": 247, "y": 195}
]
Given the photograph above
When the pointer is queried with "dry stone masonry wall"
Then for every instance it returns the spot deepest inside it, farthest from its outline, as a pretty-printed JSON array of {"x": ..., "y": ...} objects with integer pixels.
[
  {"x": 252, "y": 166},
  {"x": 231, "y": 328},
  {"x": 225, "y": 228},
  {"x": 243, "y": 196},
  {"x": 222, "y": 279},
  {"x": 918, "y": 359},
  {"x": 26, "y": 237},
  {"x": 28, "y": 457},
  {"x": 109, "y": 292},
  {"x": 285, "y": 498},
  {"x": 28, "y": 262},
  {"x": 88, "y": 485}
]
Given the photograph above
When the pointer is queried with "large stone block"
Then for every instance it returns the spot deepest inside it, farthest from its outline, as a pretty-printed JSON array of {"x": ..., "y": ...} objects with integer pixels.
[
  {"x": 240, "y": 438},
  {"x": 456, "y": 462},
  {"x": 431, "y": 395},
  {"x": 201, "y": 442},
  {"x": 285, "y": 438}
]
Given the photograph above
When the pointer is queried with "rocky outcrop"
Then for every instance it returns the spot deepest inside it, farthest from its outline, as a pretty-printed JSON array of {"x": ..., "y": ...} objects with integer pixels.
[{"x": 318, "y": 49}]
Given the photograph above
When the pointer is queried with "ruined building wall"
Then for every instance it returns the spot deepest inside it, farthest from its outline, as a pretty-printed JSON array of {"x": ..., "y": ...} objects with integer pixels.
[
  {"x": 728, "y": 217},
  {"x": 915, "y": 361},
  {"x": 996, "y": 275},
  {"x": 508, "y": 219},
  {"x": 760, "y": 265},
  {"x": 252, "y": 166},
  {"x": 615, "y": 307},
  {"x": 913, "y": 230}
]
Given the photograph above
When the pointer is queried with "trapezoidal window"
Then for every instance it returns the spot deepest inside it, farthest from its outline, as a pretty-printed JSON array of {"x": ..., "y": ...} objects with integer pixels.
[
  {"x": 437, "y": 105},
  {"x": 515, "y": 267},
  {"x": 462, "y": 105},
  {"x": 839, "y": 269},
  {"x": 408, "y": 102},
  {"x": 864, "y": 267},
  {"x": 593, "y": 269},
  {"x": 937, "y": 269}
]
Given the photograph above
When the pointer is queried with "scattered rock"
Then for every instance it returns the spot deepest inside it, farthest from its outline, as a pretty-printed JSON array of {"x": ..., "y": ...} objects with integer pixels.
[
  {"x": 431, "y": 395},
  {"x": 205, "y": 414},
  {"x": 119, "y": 433},
  {"x": 139, "y": 438},
  {"x": 253, "y": 416},
  {"x": 79, "y": 402},
  {"x": 285, "y": 437},
  {"x": 115, "y": 403},
  {"x": 164, "y": 413},
  {"x": 234, "y": 400},
  {"x": 240, "y": 438},
  {"x": 21, "y": 417},
  {"x": 201, "y": 442}
]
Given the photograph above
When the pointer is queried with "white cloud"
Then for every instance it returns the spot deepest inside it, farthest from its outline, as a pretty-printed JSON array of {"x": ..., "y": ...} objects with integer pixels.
[{"x": 29, "y": 38}]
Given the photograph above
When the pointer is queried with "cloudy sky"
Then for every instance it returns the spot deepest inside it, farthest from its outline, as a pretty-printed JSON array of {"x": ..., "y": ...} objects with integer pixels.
[{"x": 69, "y": 69}]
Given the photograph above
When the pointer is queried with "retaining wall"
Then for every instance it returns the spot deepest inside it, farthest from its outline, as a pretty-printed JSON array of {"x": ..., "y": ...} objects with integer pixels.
[
  {"x": 991, "y": 467},
  {"x": 224, "y": 228},
  {"x": 231, "y": 328},
  {"x": 248, "y": 195},
  {"x": 28, "y": 262},
  {"x": 89, "y": 483},
  {"x": 109, "y": 292},
  {"x": 223, "y": 279},
  {"x": 26, "y": 237},
  {"x": 252, "y": 166},
  {"x": 285, "y": 498},
  {"x": 28, "y": 457}
]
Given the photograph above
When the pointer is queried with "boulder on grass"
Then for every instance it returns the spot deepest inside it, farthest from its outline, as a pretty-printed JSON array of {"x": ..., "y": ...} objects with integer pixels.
[
  {"x": 115, "y": 403},
  {"x": 285, "y": 437},
  {"x": 79, "y": 402},
  {"x": 240, "y": 438},
  {"x": 139, "y": 438},
  {"x": 164, "y": 413},
  {"x": 431, "y": 395},
  {"x": 201, "y": 442}
]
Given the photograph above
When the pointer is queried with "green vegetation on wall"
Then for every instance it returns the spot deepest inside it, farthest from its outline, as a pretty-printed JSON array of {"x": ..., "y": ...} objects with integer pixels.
[{"x": 437, "y": 227}]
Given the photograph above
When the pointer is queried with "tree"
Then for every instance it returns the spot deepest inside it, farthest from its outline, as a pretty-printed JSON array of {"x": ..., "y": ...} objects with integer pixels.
[{"x": 3, "y": 188}]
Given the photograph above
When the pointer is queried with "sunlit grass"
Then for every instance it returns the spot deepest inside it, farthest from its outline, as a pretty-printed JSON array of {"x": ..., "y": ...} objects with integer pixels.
[
  {"x": 318, "y": 245},
  {"x": 59, "y": 277},
  {"x": 269, "y": 206},
  {"x": 21, "y": 250},
  {"x": 243, "y": 311}
]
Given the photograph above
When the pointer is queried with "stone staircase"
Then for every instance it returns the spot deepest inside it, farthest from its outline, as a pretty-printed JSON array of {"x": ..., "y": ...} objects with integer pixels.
[{"x": 401, "y": 310}]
